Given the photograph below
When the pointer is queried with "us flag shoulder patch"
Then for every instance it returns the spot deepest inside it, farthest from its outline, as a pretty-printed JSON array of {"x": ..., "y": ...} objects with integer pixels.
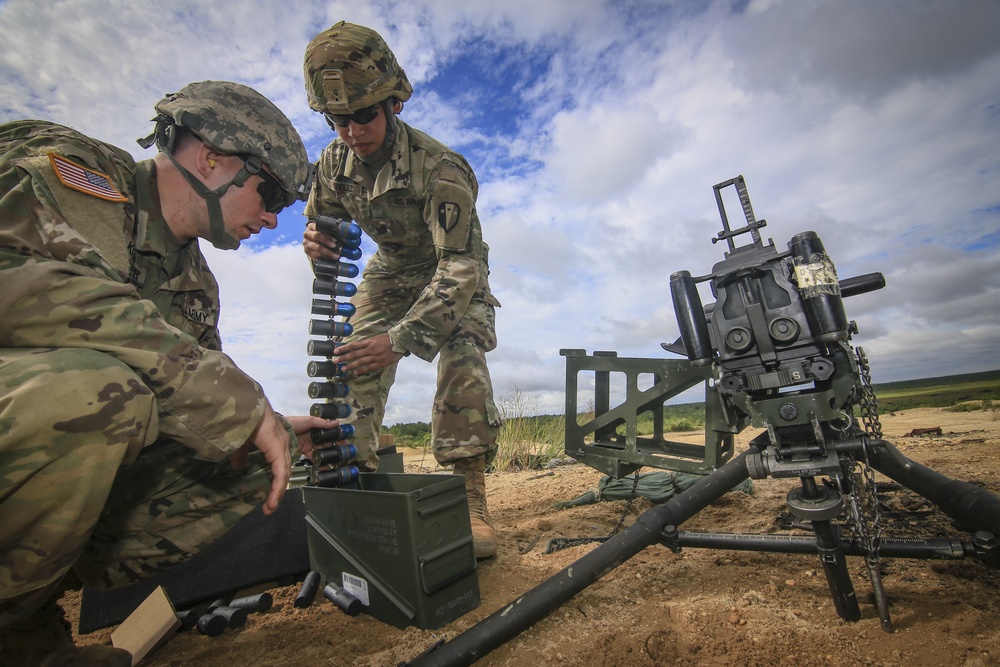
[{"x": 83, "y": 179}]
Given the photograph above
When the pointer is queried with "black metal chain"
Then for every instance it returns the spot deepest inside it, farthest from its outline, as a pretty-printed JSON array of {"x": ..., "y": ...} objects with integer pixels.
[
  {"x": 560, "y": 543},
  {"x": 867, "y": 399},
  {"x": 866, "y": 515},
  {"x": 628, "y": 505}
]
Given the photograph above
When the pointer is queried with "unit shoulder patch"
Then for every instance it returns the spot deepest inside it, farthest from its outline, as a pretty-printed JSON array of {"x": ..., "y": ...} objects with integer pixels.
[
  {"x": 449, "y": 210},
  {"x": 448, "y": 213},
  {"x": 85, "y": 180}
]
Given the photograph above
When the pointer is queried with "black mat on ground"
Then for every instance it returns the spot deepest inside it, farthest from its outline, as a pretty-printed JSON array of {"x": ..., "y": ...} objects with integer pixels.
[{"x": 256, "y": 550}]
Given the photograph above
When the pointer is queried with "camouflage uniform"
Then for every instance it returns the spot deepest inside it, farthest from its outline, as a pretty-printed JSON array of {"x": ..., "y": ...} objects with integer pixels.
[
  {"x": 113, "y": 441},
  {"x": 426, "y": 285}
]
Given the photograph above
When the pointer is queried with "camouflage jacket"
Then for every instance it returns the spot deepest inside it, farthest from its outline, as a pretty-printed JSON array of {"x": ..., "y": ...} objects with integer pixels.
[
  {"x": 84, "y": 263},
  {"x": 420, "y": 209}
]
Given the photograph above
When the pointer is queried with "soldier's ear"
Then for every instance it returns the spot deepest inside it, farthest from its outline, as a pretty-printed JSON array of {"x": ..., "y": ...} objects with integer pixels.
[{"x": 206, "y": 159}]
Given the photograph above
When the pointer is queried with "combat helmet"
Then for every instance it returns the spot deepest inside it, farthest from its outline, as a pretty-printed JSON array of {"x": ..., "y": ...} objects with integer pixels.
[
  {"x": 234, "y": 119},
  {"x": 349, "y": 67}
]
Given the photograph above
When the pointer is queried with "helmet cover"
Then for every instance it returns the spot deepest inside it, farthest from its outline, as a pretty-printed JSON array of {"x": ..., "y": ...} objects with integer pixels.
[
  {"x": 234, "y": 119},
  {"x": 349, "y": 67}
]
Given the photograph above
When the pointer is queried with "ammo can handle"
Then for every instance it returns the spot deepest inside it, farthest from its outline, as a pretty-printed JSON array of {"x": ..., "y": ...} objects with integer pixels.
[{"x": 441, "y": 553}]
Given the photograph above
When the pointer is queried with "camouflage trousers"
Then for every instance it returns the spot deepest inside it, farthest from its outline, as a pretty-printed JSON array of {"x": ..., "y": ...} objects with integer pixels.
[
  {"x": 464, "y": 418},
  {"x": 85, "y": 484}
]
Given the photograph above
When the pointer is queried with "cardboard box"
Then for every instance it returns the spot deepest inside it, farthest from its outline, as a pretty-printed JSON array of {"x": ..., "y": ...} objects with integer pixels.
[{"x": 148, "y": 626}]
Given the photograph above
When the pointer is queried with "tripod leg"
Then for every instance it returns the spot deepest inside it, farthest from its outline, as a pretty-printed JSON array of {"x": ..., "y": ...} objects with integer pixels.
[
  {"x": 831, "y": 554},
  {"x": 973, "y": 507},
  {"x": 819, "y": 504}
]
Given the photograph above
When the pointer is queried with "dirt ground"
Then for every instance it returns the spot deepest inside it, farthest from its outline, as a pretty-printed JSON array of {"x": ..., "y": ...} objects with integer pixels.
[{"x": 699, "y": 606}]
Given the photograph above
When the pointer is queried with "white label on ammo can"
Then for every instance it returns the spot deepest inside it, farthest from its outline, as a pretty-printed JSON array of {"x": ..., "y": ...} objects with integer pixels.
[{"x": 357, "y": 587}]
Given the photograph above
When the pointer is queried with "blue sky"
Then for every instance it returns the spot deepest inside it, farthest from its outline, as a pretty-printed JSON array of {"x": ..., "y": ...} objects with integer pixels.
[{"x": 597, "y": 131}]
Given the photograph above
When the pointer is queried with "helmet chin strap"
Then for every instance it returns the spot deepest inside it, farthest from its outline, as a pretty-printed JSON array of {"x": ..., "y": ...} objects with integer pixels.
[{"x": 217, "y": 234}]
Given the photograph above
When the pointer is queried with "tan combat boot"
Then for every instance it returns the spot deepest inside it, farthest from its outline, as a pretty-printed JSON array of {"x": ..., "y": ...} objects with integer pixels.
[
  {"x": 44, "y": 639},
  {"x": 484, "y": 535}
]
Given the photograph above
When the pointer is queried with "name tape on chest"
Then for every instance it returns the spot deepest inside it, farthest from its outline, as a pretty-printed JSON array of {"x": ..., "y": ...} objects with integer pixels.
[
  {"x": 85, "y": 180},
  {"x": 197, "y": 315}
]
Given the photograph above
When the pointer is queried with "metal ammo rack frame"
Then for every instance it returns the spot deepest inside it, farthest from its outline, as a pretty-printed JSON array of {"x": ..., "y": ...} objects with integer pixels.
[{"x": 331, "y": 463}]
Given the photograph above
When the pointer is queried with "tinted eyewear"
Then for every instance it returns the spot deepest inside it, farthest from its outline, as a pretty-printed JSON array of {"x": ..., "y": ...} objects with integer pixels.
[
  {"x": 271, "y": 192},
  {"x": 361, "y": 117}
]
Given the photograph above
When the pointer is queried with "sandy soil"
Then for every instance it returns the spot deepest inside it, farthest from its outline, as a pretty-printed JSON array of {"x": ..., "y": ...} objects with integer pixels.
[{"x": 699, "y": 606}]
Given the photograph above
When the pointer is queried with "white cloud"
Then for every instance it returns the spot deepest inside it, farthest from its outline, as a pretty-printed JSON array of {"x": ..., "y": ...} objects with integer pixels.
[
  {"x": 873, "y": 123},
  {"x": 859, "y": 48}
]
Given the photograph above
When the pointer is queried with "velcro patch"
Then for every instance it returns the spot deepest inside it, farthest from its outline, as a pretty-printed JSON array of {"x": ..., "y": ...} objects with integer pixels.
[
  {"x": 85, "y": 180},
  {"x": 333, "y": 87}
]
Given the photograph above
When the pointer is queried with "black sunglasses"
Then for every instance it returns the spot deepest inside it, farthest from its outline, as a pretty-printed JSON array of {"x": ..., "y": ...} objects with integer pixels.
[
  {"x": 271, "y": 192},
  {"x": 361, "y": 117}
]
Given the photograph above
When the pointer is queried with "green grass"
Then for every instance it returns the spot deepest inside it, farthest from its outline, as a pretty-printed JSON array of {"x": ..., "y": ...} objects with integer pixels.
[
  {"x": 415, "y": 435},
  {"x": 528, "y": 440},
  {"x": 944, "y": 392}
]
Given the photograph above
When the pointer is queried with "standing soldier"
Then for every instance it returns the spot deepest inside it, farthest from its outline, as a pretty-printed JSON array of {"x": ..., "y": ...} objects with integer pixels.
[
  {"x": 425, "y": 291},
  {"x": 125, "y": 432}
]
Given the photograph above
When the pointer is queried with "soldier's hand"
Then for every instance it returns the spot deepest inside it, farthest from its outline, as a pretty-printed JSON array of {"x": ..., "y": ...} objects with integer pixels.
[
  {"x": 303, "y": 425},
  {"x": 271, "y": 438},
  {"x": 316, "y": 244},
  {"x": 368, "y": 355}
]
